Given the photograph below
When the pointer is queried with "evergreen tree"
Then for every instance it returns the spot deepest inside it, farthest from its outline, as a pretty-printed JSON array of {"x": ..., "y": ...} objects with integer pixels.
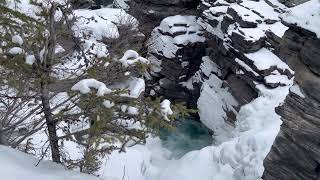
[{"x": 28, "y": 91}]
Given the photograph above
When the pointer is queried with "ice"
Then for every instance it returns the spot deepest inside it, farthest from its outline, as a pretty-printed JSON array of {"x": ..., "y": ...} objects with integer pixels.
[
  {"x": 305, "y": 15},
  {"x": 84, "y": 87}
]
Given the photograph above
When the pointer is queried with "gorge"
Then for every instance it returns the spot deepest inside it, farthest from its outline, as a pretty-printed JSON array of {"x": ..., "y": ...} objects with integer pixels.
[{"x": 250, "y": 69}]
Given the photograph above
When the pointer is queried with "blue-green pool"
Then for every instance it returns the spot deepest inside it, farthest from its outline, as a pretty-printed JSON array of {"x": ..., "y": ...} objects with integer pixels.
[{"x": 187, "y": 136}]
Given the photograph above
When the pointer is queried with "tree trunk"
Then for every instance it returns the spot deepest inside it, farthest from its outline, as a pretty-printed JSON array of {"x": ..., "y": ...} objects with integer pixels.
[
  {"x": 45, "y": 80},
  {"x": 51, "y": 123},
  {"x": 3, "y": 140}
]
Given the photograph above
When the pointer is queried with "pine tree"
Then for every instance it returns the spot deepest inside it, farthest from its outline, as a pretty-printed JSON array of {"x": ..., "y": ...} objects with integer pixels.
[{"x": 35, "y": 86}]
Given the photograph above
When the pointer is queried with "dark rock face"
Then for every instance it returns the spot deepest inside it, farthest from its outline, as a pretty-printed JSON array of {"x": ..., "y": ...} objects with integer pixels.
[
  {"x": 177, "y": 46},
  {"x": 151, "y": 12},
  {"x": 295, "y": 154},
  {"x": 80, "y": 4}
]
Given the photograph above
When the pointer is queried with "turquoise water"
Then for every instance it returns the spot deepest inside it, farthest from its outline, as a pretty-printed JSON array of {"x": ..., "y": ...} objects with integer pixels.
[{"x": 187, "y": 136}]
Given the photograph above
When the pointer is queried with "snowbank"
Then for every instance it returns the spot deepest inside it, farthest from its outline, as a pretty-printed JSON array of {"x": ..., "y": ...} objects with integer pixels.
[{"x": 15, "y": 165}]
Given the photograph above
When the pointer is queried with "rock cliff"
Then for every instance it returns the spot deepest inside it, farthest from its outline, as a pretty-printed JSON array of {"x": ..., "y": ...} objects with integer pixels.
[{"x": 295, "y": 154}]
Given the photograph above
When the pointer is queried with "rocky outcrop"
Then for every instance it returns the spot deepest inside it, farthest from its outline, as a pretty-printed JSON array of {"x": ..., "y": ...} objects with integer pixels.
[
  {"x": 175, "y": 50},
  {"x": 240, "y": 40},
  {"x": 239, "y": 46},
  {"x": 295, "y": 154},
  {"x": 151, "y": 12}
]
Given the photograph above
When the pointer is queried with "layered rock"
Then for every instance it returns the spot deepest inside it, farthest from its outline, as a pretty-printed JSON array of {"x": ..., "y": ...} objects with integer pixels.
[
  {"x": 241, "y": 40},
  {"x": 295, "y": 154},
  {"x": 151, "y": 12},
  {"x": 175, "y": 50},
  {"x": 241, "y": 37}
]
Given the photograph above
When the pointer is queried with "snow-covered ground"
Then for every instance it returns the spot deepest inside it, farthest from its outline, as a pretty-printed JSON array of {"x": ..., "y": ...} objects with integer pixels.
[{"x": 16, "y": 165}]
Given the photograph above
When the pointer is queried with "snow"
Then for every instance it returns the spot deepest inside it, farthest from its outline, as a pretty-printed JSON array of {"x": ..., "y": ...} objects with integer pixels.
[
  {"x": 30, "y": 59},
  {"x": 213, "y": 103},
  {"x": 264, "y": 59},
  {"x": 101, "y": 23},
  {"x": 246, "y": 14},
  {"x": 166, "y": 109},
  {"x": 296, "y": 90},
  {"x": 85, "y": 84},
  {"x": 246, "y": 67},
  {"x": 16, "y": 165},
  {"x": 15, "y": 51},
  {"x": 136, "y": 87},
  {"x": 166, "y": 45},
  {"x": 305, "y": 15},
  {"x": 108, "y": 104},
  {"x": 276, "y": 77},
  {"x": 262, "y": 8},
  {"x": 277, "y": 28},
  {"x": 126, "y": 166},
  {"x": 216, "y": 10},
  {"x": 253, "y": 34},
  {"x": 17, "y": 39},
  {"x": 239, "y": 157},
  {"x": 131, "y": 57},
  {"x": 133, "y": 110},
  {"x": 207, "y": 66}
]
